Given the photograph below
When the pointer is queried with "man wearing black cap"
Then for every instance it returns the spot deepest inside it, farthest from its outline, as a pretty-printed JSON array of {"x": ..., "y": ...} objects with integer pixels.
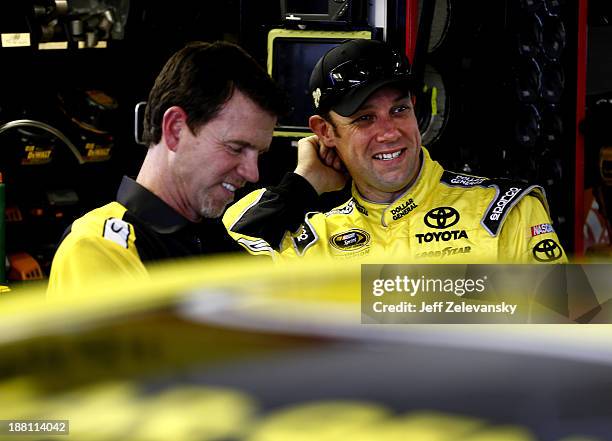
[{"x": 403, "y": 203}]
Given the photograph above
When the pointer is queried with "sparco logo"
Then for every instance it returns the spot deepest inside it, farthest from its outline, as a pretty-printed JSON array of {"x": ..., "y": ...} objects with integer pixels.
[
  {"x": 350, "y": 240},
  {"x": 503, "y": 201},
  {"x": 441, "y": 217},
  {"x": 403, "y": 209},
  {"x": 547, "y": 250},
  {"x": 442, "y": 235}
]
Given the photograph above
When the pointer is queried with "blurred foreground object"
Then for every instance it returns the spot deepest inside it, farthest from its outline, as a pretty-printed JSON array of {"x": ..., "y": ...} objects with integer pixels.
[{"x": 244, "y": 350}]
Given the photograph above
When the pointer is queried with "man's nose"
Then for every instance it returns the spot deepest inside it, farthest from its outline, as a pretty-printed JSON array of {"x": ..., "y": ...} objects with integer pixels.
[
  {"x": 388, "y": 130},
  {"x": 248, "y": 167}
]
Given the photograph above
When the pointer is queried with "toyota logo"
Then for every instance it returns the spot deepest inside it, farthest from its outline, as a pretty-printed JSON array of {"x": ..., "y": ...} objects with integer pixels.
[
  {"x": 441, "y": 217},
  {"x": 547, "y": 250}
]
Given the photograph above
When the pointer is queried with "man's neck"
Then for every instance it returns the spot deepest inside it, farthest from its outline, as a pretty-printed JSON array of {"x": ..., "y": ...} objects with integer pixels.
[{"x": 155, "y": 176}]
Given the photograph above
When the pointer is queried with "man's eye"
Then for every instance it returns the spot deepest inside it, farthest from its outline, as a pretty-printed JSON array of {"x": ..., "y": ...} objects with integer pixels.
[
  {"x": 234, "y": 149},
  {"x": 363, "y": 118},
  {"x": 400, "y": 109}
]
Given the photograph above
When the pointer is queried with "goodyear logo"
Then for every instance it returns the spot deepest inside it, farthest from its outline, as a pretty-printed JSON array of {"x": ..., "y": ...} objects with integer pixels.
[
  {"x": 448, "y": 251},
  {"x": 351, "y": 240}
]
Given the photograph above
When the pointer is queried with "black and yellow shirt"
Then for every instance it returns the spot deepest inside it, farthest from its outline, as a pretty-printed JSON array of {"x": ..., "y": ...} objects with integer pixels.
[
  {"x": 121, "y": 237},
  {"x": 444, "y": 217}
]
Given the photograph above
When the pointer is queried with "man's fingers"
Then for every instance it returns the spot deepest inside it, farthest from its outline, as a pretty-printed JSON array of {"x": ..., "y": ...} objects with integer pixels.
[
  {"x": 327, "y": 155},
  {"x": 311, "y": 141},
  {"x": 338, "y": 164},
  {"x": 331, "y": 159}
]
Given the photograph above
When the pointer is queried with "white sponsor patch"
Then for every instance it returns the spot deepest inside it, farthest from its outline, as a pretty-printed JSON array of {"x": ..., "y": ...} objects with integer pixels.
[{"x": 117, "y": 230}]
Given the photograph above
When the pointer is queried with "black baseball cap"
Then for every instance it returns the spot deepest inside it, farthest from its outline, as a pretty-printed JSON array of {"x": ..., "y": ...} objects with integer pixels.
[{"x": 344, "y": 78}]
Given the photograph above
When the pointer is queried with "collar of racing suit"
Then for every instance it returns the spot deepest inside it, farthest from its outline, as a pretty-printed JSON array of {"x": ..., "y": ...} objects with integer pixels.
[{"x": 415, "y": 195}]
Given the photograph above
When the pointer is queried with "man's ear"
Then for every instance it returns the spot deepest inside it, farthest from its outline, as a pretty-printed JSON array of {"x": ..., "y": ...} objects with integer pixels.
[
  {"x": 173, "y": 124},
  {"x": 323, "y": 129}
]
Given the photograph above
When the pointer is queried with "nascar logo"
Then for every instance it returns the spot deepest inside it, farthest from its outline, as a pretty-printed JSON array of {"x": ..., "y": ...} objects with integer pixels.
[
  {"x": 351, "y": 240},
  {"x": 536, "y": 230}
]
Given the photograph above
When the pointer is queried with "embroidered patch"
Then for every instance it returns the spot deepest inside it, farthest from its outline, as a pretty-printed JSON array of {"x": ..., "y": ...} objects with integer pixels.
[
  {"x": 457, "y": 180},
  {"x": 304, "y": 238},
  {"x": 350, "y": 240},
  {"x": 547, "y": 250},
  {"x": 536, "y": 230},
  {"x": 117, "y": 230},
  {"x": 403, "y": 209},
  {"x": 507, "y": 195},
  {"x": 441, "y": 217}
]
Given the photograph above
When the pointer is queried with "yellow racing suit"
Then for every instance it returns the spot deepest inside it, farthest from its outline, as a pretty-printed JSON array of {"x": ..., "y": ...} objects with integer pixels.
[
  {"x": 122, "y": 238},
  {"x": 444, "y": 217}
]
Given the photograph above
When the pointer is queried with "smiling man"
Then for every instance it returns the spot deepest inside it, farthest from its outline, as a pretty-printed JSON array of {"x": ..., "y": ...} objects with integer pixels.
[
  {"x": 403, "y": 203},
  {"x": 210, "y": 114}
]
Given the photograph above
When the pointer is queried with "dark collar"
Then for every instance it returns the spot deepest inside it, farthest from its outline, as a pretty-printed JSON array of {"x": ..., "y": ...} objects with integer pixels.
[{"x": 149, "y": 208}]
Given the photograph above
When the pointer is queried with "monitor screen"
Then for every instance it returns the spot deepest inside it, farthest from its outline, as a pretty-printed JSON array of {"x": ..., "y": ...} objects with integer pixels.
[
  {"x": 307, "y": 6},
  {"x": 294, "y": 59}
]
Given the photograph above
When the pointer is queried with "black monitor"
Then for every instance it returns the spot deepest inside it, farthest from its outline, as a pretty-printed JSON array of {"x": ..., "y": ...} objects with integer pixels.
[
  {"x": 292, "y": 54},
  {"x": 353, "y": 12},
  {"x": 310, "y": 7}
]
